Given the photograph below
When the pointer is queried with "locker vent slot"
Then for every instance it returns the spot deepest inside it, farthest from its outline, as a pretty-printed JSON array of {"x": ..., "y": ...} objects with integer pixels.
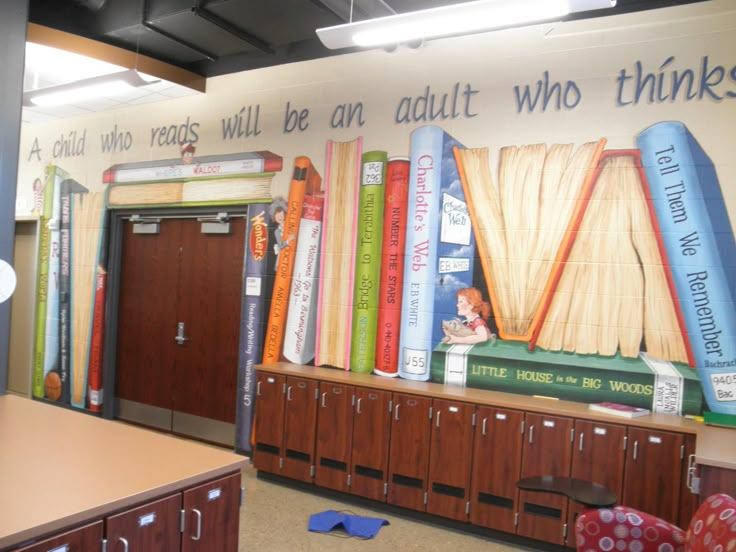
[
  {"x": 296, "y": 455},
  {"x": 333, "y": 464},
  {"x": 494, "y": 500},
  {"x": 407, "y": 481},
  {"x": 542, "y": 511},
  {"x": 368, "y": 472},
  {"x": 448, "y": 490},
  {"x": 268, "y": 449}
]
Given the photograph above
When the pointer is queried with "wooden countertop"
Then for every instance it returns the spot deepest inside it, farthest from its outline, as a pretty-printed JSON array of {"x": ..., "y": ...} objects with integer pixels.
[
  {"x": 60, "y": 468},
  {"x": 714, "y": 446}
]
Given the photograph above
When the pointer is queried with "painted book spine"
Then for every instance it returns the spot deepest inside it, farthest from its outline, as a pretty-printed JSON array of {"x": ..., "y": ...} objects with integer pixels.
[
  {"x": 51, "y": 344},
  {"x": 303, "y": 176},
  {"x": 252, "y": 321},
  {"x": 699, "y": 240},
  {"x": 368, "y": 261},
  {"x": 44, "y": 251},
  {"x": 203, "y": 167},
  {"x": 658, "y": 386},
  {"x": 392, "y": 267},
  {"x": 95, "y": 392},
  {"x": 299, "y": 339}
]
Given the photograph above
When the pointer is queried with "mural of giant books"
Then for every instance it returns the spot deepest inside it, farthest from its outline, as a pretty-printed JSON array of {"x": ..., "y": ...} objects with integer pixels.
[{"x": 606, "y": 279}]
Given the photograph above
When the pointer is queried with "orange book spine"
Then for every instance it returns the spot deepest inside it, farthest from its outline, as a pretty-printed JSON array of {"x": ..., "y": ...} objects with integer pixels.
[{"x": 305, "y": 180}]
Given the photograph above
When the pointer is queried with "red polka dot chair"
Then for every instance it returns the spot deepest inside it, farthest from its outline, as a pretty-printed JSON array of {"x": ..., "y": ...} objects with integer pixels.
[{"x": 624, "y": 529}]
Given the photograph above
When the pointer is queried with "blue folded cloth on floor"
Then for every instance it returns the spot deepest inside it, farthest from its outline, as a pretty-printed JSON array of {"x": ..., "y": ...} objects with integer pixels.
[{"x": 355, "y": 526}]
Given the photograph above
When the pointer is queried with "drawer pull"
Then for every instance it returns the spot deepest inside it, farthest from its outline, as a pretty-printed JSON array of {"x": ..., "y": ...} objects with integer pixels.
[{"x": 199, "y": 524}]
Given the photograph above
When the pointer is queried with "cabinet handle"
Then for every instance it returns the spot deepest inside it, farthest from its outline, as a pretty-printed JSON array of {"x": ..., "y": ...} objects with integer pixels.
[
  {"x": 531, "y": 434},
  {"x": 288, "y": 393},
  {"x": 199, "y": 524},
  {"x": 324, "y": 397},
  {"x": 636, "y": 449},
  {"x": 125, "y": 543},
  {"x": 691, "y": 468},
  {"x": 396, "y": 412},
  {"x": 438, "y": 418},
  {"x": 258, "y": 389},
  {"x": 358, "y": 409},
  {"x": 580, "y": 444},
  {"x": 483, "y": 428}
]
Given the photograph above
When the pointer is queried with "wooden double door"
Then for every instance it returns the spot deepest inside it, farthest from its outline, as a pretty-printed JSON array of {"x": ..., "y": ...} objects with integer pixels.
[{"x": 178, "y": 326}]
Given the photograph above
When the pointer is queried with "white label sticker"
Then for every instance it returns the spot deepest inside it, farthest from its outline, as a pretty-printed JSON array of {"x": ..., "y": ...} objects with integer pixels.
[
  {"x": 655, "y": 440},
  {"x": 372, "y": 173},
  {"x": 271, "y": 380},
  {"x": 214, "y": 494},
  {"x": 453, "y": 409},
  {"x": 724, "y": 386},
  {"x": 415, "y": 361},
  {"x": 548, "y": 423},
  {"x": 148, "y": 519},
  {"x": 500, "y": 416},
  {"x": 599, "y": 431},
  {"x": 253, "y": 286}
]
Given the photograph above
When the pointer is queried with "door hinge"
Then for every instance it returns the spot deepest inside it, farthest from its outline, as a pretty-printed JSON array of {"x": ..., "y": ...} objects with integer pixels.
[
  {"x": 242, "y": 496},
  {"x": 104, "y": 545},
  {"x": 682, "y": 452},
  {"x": 426, "y": 497},
  {"x": 312, "y": 470},
  {"x": 350, "y": 480},
  {"x": 385, "y": 489},
  {"x": 431, "y": 412},
  {"x": 316, "y": 394},
  {"x": 182, "y": 520},
  {"x": 281, "y": 462},
  {"x": 564, "y": 532},
  {"x": 523, "y": 426},
  {"x": 474, "y": 417},
  {"x": 626, "y": 442},
  {"x": 467, "y": 508},
  {"x": 572, "y": 435},
  {"x": 283, "y": 388},
  {"x": 353, "y": 401},
  {"x": 516, "y": 519},
  {"x": 390, "y": 406}
]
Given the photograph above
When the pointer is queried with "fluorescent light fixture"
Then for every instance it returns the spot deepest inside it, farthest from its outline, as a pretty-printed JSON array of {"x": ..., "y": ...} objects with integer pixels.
[
  {"x": 108, "y": 85},
  {"x": 457, "y": 19}
]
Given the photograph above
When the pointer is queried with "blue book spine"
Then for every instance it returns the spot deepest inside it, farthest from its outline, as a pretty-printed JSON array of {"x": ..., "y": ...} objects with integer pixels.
[
  {"x": 700, "y": 246},
  {"x": 252, "y": 321},
  {"x": 433, "y": 184}
]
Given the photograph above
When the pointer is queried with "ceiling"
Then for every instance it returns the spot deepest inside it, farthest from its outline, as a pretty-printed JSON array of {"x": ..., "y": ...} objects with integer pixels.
[{"x": 218, "y": 37}]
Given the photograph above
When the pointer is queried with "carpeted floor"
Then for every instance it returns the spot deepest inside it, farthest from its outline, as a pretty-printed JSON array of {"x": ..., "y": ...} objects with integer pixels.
[{"x": 274, "y": 517}]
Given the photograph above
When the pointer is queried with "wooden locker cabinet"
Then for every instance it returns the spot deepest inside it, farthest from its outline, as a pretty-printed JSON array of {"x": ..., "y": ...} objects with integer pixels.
[
  {"x": 496, "y": 468},
  {"x": 154, "y": 527},
  {"x": 371, "y": 434},
  {"x": 334, "y": 436},
  {"x": 300, "y": 425},
  {"x": 547, "y": 451},
  {"x": 653, "y": 473},
  {"x": 212, "y": 516},
  {"x": 82, "y": 539},
  {"x": 409, "y": 451},
  {"x": 450, "y": 455},
  {"x": 269, "y": 422},
  {"x": 598, "y": 455}
]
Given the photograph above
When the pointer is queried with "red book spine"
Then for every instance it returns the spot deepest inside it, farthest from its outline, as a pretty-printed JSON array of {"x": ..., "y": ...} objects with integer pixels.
[
  {"x": 392, "y": 266},
  {"x": 94, "y": 375},
  {"x": 271, "y": 161}
]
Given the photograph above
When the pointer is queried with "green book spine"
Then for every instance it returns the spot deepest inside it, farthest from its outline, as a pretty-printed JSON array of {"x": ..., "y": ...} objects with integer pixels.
[
  {"x": 44, "y": 253},
  {"x": 508, "y": 366},
  {"x": 368, "y": 261}
]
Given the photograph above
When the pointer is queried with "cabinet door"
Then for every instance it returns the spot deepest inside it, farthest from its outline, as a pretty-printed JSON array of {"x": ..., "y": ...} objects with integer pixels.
[
  {"x": 300, "y": 421},
  {"x": 496, "y": 468},
  {"x": 152, "y": 527},
  {"x": 334, "y": 436},
  {"x": 269, "y": 422},
  {"x": 451, "y": 450},
  {"x": 81, "y": 539},
  {"x": 371, "y": 432},
  {"x": 689, "y": 501},
  {"x": 547, "y": 451},
  {"x": 212, "y": 516},
  {"x": 716, "y": 480},
  {"x": 653, "y": 472},
  {"x": 598, "y": 455},
  {"x": 409, "y": 451}
]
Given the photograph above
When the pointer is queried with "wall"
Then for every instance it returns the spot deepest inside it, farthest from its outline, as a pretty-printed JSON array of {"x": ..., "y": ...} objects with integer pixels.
[{"x": 571, "y": 83}]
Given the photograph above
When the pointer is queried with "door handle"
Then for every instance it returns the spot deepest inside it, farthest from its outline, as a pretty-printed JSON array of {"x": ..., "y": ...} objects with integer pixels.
[
  {"x": 180, "y": 338},
  {"x": 125, "y": 543},
  {"x": 199, "y": 524}
]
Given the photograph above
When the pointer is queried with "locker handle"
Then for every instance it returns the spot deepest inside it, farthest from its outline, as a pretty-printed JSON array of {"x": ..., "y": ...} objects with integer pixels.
[
  {"x": 396, "y": 412},
  {"x": 125, "y": 543},
  {"x": 258, "y": 389},
  {"x": 580, "y": 445},
  {"x": 180, "y": 339},
  {"x": 324, "y": 397},
  {"x": 358, "y": 408},
  {"x": 438, "y": 418},
  {"x": 288, "y": 393},
  {"x": 483, "y": 428},
  {"x": 199, "y": 524},
  {"x": 531, "y": 434},
  {"x": 636, "y": 448}
]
